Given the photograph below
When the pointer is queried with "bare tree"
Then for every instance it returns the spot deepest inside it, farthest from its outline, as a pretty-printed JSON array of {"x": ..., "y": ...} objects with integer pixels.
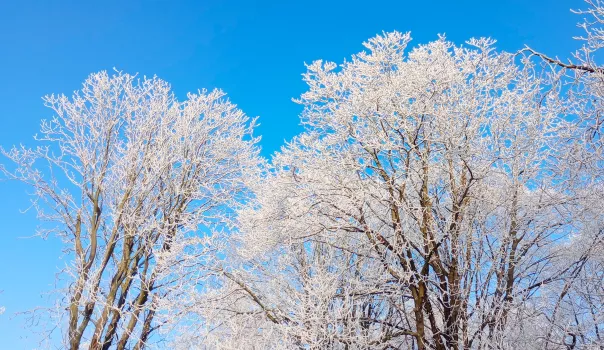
[{"x": 141, "y": 186}]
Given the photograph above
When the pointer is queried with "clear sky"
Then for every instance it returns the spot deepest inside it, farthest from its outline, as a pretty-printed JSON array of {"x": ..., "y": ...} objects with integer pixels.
[{"x": 253, "y": 50}]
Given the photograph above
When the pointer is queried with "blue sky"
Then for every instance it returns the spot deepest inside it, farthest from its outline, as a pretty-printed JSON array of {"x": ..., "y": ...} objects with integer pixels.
[{"x": 253, "y": 50}]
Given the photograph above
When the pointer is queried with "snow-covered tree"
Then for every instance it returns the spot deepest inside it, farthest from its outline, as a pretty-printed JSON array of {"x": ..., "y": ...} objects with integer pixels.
[
  {"x": 573, "y": 312},
  {"x": 440, "y": 197},
  {"x": 431, "y": 203},
  {"x": 141, "y": 187}
]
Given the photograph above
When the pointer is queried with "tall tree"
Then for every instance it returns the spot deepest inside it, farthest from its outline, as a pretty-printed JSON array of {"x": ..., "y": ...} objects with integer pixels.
[
  {"x": 140, "y": 186},
  {"x": 428, "y": 205}
]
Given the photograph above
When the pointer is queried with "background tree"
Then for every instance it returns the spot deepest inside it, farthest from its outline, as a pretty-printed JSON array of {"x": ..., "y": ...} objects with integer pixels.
[{"x": 571, "y": 312}]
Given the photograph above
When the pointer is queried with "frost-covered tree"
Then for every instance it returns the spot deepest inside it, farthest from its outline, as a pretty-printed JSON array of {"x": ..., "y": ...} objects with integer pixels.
[
  {"x": 583, "y": 77},
  {"x": 431, "y": 203},
  {"x": 440, "y": 197},
  {"x": 574, "y": 310},
  {"x": 141, "y": 187}
]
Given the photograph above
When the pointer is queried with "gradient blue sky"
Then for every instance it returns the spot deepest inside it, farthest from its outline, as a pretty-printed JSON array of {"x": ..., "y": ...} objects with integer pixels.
[{"x": 253, "y": 50}]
